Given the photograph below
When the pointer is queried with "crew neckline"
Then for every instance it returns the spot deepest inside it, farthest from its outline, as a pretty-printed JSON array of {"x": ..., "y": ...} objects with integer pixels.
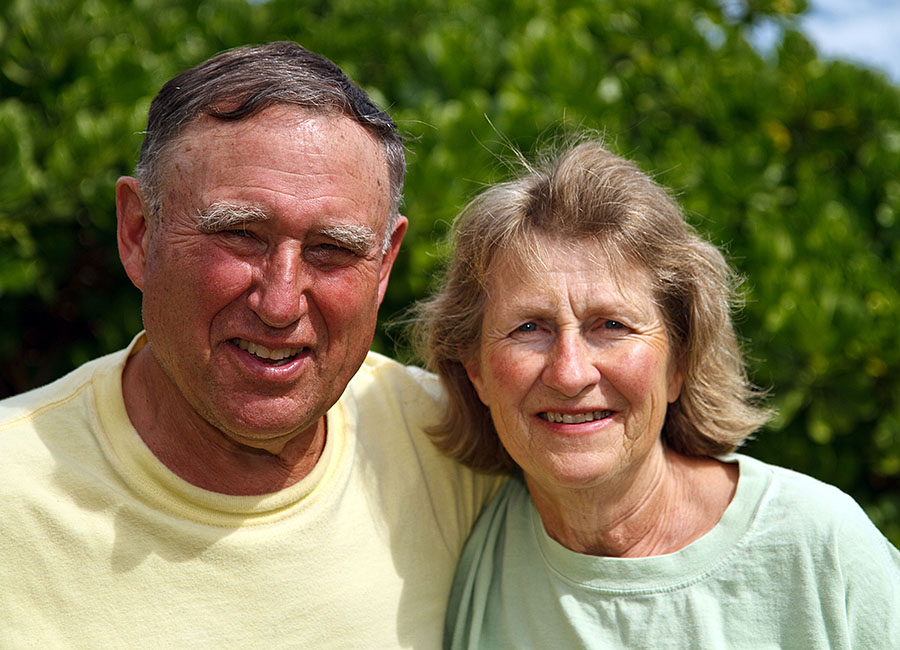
[
  {"x": 663, "y": 572},
  {"x": 145, "y": 474}
]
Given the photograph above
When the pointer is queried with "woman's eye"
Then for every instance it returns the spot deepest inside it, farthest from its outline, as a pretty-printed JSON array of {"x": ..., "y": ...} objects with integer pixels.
[
  {"x": 613, "y": 325},
  {"x": 527, "y": 327}
]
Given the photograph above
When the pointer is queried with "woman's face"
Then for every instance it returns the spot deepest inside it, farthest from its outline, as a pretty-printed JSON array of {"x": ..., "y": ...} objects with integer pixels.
[{"x": 575, "y": 366}]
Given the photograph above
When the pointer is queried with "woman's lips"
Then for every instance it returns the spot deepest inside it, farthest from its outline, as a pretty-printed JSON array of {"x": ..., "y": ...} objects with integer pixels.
[{"x": 574, "y": 418}]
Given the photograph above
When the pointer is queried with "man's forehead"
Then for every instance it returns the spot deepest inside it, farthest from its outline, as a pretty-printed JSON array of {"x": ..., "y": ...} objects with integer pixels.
[
  {"x": 281, "y": 118},
  {"x": 297, "y": 150}
]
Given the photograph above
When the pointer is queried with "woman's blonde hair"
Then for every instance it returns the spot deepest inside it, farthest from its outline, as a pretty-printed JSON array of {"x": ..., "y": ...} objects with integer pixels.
[{"x": 589, "y": 194}]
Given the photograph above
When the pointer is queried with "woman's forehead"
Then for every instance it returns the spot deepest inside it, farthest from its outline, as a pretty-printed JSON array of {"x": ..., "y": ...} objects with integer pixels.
[
  {"x": 543, "y": 255},
  {"x": 580, "y": 274}
]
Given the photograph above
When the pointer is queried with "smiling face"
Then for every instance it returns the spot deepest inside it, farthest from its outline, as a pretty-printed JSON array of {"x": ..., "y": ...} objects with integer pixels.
[
  {"x": 574, "y": 364},
  {"x": 263, "y": 275}
]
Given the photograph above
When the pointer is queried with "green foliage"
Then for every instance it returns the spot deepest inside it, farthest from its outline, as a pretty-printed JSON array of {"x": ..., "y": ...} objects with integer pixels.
[{"x": 787, "y": 161}]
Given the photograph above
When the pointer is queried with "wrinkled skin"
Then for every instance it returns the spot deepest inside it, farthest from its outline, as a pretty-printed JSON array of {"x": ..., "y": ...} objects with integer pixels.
[{"x": 250, "y": 261}]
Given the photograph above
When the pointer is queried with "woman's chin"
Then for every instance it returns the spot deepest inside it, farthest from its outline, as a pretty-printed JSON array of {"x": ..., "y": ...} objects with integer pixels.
[{"x": 570, "y": 473}]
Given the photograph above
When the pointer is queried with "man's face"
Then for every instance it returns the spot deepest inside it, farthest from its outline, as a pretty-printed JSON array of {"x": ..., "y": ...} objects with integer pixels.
[{"x": 263, "y": 275}]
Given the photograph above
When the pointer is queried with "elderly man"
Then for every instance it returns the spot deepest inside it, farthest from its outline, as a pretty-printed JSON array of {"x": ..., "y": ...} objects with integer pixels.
[{"x": 244, "y": 474}]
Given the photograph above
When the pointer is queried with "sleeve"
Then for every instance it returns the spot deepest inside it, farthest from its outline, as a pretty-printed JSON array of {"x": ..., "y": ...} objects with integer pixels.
[
  {"x": 470, "y": 596},
  {"x": 458, "y": 493},
  {"x": 871, "y": 574},
  {"x": 396, "y": 405}
]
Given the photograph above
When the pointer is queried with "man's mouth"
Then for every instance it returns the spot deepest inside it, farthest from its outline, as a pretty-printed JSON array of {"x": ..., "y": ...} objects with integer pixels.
[
  {"x": 276, "y": 357},
  {"x": 574, "y": 418}
]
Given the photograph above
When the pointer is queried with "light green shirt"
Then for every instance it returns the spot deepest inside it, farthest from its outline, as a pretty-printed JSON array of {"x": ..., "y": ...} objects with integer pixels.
[{"x": 793, "y": 563}]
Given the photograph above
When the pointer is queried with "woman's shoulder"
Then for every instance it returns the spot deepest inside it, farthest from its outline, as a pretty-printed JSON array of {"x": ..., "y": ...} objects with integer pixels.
[
  {"x": 800, "y": 507},
  {"x": 509, "y": 507},
  {"x": 505, "y": 520},
  {"x": 788, "y": 488}
]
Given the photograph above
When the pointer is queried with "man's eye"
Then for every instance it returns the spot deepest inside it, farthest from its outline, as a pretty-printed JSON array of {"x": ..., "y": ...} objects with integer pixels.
[
  {"x": 240, "y": 233},
  {"x": 530, "y": 326},
  {"x": 333, "y": 248},
  {"x": 330, "y": 255},
  {"x": 613, "y": 325}
]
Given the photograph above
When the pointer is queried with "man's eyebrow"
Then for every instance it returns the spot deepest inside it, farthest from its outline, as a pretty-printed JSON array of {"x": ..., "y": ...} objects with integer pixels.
[
  {"x": 223, "y": 215},
  {"x": 359, "y": 239}
]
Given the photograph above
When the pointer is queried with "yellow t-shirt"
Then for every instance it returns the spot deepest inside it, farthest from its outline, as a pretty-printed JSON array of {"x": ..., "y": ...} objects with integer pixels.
[{"x": 104, "y": 547}]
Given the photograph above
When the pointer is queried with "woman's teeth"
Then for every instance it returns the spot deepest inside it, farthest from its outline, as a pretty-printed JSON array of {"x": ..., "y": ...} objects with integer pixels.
[{"x": 574, "y": 418}]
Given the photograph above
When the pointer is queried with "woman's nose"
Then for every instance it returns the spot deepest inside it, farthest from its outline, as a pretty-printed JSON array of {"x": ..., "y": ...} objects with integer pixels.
[
  {"x": 571, "y": 367},
  {"x": 279, "y": 296}
]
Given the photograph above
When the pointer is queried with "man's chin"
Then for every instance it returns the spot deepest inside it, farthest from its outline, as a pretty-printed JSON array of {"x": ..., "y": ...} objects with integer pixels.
[{"x": 266, "y": 434}]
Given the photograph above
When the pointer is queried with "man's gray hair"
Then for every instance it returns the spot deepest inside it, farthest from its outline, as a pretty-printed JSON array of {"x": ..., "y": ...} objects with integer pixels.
[{"x": 240, "y": 83}]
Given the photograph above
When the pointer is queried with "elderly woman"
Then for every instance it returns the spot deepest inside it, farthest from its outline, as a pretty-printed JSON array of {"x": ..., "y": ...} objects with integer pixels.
[{"x": 583, "y": 334}]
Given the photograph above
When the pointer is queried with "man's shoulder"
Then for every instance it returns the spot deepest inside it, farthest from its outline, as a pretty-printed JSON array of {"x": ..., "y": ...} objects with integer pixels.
[
  {"x": 390, "y": 408},
  {"x": 24, "y": 407},
  {"x": 377, "y": 362},
  {"x": 382, "y": 374},
  {"x": 388, "y": 395}
]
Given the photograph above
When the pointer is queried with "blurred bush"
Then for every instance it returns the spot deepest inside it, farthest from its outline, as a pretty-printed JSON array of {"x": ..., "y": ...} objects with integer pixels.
[{"x": 787, "y": 161}]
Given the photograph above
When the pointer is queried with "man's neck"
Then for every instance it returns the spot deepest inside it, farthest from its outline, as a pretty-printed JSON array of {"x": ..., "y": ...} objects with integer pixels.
[{"x": 201, "y": 453}]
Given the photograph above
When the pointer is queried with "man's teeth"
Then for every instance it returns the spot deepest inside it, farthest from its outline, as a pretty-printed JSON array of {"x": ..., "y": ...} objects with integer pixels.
[
  {"x": 575, "y": 418},
  {"x": 263, "y": 352}
]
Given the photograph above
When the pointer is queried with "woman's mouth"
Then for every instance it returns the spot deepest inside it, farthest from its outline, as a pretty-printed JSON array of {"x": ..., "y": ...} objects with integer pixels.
[{"x": 574, "y": 418}]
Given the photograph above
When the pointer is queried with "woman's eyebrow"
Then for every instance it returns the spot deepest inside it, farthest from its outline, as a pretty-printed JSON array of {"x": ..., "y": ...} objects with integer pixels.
[{"x": 223, "y": 215}]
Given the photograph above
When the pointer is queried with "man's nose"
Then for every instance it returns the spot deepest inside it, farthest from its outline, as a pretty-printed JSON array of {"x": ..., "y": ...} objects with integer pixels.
[
  {"x": 279, "y": 295},
  {"x": 571, "y": 367}
]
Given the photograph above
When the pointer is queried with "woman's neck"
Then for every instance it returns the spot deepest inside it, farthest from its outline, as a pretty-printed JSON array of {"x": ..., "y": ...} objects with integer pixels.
[{"x": 670, "y": 502}]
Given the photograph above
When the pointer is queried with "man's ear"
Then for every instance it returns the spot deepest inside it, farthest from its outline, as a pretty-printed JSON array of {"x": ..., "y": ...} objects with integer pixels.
[
  {"x": 132, "y": 230},
  {"x": 390, "y": 255}
]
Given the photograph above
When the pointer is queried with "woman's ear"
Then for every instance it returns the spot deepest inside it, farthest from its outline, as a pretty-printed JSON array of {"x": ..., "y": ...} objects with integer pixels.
[
  {"x": 675, "y": 380},
  {"x": 132, "y": 229},
  {"x": 473, "y": 370}
]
